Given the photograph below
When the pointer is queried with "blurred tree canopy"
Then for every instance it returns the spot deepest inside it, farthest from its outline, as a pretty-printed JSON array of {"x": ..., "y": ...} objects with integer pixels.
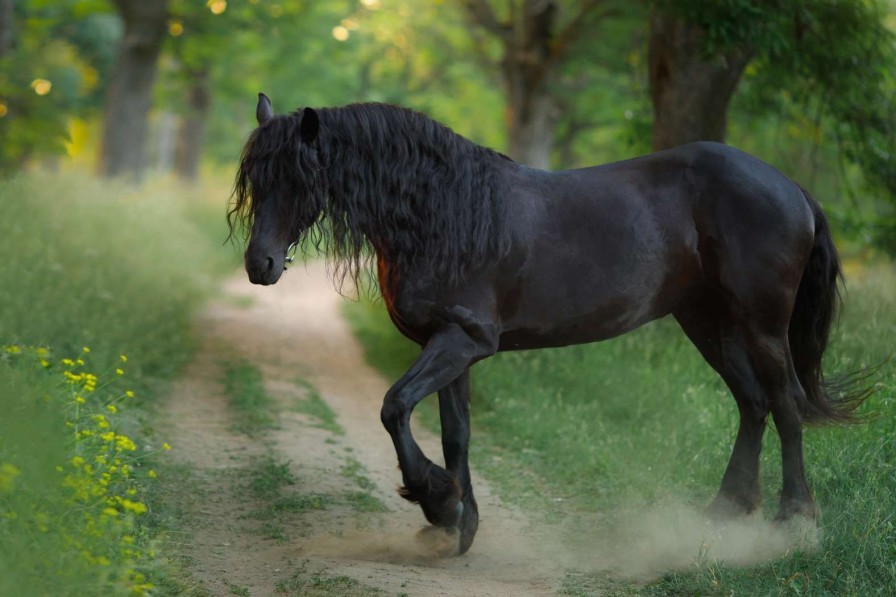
[
  {"x": 806, "y": 84},
  {"x": 55, "y": 58}
]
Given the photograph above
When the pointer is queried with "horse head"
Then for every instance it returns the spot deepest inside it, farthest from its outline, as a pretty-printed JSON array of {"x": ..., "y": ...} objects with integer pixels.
[{"x": 274, "y": 198}]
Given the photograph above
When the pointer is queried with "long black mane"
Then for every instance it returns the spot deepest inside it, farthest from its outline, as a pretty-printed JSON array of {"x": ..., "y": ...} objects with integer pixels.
[{"x": 382, "y": 177}]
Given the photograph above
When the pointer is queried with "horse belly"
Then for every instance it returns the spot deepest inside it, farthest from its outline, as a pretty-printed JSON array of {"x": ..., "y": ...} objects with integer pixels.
[{"x": 589, "y": 310}]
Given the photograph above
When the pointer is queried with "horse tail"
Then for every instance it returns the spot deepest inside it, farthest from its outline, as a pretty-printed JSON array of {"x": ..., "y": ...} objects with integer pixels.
[{"x": 818, "y": 303}]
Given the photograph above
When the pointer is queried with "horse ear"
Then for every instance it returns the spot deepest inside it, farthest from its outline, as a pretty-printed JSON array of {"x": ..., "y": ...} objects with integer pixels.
[
  {"x": 263, "y": 111},
  {"x": 310, "y": 125}
]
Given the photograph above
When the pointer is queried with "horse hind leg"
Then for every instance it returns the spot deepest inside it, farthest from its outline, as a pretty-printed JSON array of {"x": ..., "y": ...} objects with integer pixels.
[
  {"x": 721, "y": 342},
  {"x": 454, "y": 412},
  {"x": 775, "y": 387},
  {"x": 779, "y": 379}
]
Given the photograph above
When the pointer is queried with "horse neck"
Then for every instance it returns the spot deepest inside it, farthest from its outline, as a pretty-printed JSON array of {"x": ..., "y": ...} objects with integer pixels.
[{"x": 389, "y": 177}]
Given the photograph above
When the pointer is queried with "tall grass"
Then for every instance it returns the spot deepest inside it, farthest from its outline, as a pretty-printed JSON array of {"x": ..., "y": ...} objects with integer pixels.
[
  {"x": 93, "y": 264},
  {"x": 614, "y": 427},
  {"x": 90, "y": 262}
]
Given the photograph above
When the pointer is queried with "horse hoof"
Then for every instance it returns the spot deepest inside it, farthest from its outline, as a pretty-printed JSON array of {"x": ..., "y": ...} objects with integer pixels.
[
  {"x": 469, "y": 524},
  {"x": 725, "y": 508},
  {"x": 439, "y": 541},
  {"x": 797, "y": 510}
]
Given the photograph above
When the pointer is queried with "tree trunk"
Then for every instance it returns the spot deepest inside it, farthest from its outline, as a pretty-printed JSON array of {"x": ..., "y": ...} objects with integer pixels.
[
  {"x": 534, "y": 46},
  {"x": 130, "y": 92},
  {"x": 690, "y": 91},
  {"x": 528, "y": 61},
  {"x": 191, "y": 135},
  {"x": 530, "y": 121},
  {"x": 5, "y": 27}
]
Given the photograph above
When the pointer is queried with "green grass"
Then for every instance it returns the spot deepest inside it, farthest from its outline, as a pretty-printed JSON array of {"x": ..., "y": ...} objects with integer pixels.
[
  {"x": 250, "y": 402},
  {"x": 237, "y": 590},
  {"x": 354, "y": 471},
  {"x": 318, "y": 584},
  {"x": 267, "y": 477},
  {"x": 91, "y": 263},
  {"x": 616, "y": 427},
  {"x": 314, "y": 406}
]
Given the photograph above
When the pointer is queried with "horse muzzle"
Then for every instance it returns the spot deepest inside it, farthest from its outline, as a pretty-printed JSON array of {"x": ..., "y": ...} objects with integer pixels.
[{"x": 263, "y": 268}]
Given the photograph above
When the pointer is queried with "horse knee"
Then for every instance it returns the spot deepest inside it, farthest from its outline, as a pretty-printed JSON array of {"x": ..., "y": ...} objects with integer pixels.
[{"x": 393, "y": 412}]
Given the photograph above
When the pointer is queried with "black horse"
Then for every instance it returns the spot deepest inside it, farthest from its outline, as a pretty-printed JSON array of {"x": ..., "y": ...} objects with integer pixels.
[{"x": 476, "y": 254}]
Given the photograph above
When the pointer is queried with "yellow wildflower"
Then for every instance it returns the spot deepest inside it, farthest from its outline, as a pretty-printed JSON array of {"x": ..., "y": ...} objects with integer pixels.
[
  {"x": 8, "y": 474},
  {"x": 123, "y": 358},
  {"x": 129, "y": 393},
  {"x": 119, "y": 372},
  {"x": 77, "y": 462},
  {"x": 110, "y": 511},
  {"x": 135, "y": 507},
  {"x": 80, "y": 399},
  {"x": 86, "y": 349},
  {"x": 165, "y": 446},
  {"x": 68, "y": 362},
  {"x": 111, "y": 408},
  {"x": 123, "y": 442},
  {"x": 108, "y": 436},
  {"x": 151, "y": 474},
  {"x": 42, "y": 519},
  {"x": 12, "y": 349},
  {"x": 80, "y": 361}
]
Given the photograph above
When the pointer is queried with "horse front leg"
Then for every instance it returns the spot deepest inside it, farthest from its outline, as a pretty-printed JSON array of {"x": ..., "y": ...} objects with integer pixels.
[
  {"x": 454, "y": 412},
  {"x": 445, "y": 357}
]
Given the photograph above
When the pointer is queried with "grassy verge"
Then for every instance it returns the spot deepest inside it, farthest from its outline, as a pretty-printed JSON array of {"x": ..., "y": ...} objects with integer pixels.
[
  {"x": 119, "y": 271},
  {"x": 618, "y": 426},
  {"x": 251, "y": 404}
]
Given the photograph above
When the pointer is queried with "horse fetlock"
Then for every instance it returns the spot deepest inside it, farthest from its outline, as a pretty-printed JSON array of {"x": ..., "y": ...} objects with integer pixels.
[
  {"x": 439, "y": 496},
  {"x": 797, "y": 508}
]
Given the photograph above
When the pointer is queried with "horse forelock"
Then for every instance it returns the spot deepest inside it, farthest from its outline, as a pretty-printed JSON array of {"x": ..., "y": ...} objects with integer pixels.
[
  {"x": 378, "y": 177},
  {"x": 275, "y": 166}
]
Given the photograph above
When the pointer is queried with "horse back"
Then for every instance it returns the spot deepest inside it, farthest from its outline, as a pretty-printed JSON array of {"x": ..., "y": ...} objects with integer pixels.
[{"x": 604, "y": 250}]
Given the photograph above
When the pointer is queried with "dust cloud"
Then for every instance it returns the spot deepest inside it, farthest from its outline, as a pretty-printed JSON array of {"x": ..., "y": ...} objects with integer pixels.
[{"x": 678, "y": 536}]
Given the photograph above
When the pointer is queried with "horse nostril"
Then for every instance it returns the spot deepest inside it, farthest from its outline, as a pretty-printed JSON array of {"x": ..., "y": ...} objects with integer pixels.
[{"x": 270, "y": 263}]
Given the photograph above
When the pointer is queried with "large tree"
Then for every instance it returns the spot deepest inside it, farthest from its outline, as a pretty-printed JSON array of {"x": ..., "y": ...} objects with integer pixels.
[
  {"x": 535, "y": 37},
  {"x": 837, "y": 55},
  {"x": 130, "y": 91}
]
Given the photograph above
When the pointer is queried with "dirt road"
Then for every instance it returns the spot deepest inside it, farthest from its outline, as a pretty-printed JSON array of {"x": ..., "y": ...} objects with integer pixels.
[{"x": 307, "y": 505}]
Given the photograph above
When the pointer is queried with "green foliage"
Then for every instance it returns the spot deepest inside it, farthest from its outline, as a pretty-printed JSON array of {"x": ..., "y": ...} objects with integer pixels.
[
  {"x": 827, "y": 65},
  {"x": 107, "y": 267},
  {"x": 104, "y": 267},
  {"x": 72, "y": 484},
  {"x": 609, "y": 429},
  {"x": 61, "y": 52}
]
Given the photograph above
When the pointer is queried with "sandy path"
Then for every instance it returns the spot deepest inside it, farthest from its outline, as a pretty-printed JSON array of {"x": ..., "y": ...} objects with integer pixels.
[{"x": 294, "y": 330}]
